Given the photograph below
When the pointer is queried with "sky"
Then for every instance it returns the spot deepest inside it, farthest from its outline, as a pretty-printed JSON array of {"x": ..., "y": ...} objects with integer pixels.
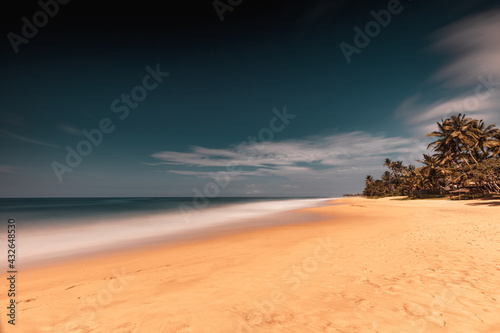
[{"x": 233, "y": 97}]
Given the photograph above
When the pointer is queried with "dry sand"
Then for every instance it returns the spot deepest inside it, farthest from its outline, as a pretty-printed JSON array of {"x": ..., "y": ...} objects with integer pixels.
[{"x": 365, "y": 266}]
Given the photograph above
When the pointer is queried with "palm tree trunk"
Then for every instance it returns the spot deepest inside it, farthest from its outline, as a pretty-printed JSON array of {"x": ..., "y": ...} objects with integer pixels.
[{"x": 470, "y": 153}]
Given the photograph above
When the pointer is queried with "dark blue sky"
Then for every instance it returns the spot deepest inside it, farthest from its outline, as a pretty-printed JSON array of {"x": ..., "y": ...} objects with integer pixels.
[{"x": 225, "y": 78}]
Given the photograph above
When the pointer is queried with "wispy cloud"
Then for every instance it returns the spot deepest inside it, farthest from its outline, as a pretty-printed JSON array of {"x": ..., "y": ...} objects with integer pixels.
[
  {"x": 10, "y": 118},
  {"x": 471, "y": 77},
  {"x": 27, "y": 140},
  {"x": 472, "y": 43},
  {"x": 70, "y": 130},
  {"x": 310, "y": 156},
  {"x": 8, "y": 168},
  {"x": 422, "y": 116}
]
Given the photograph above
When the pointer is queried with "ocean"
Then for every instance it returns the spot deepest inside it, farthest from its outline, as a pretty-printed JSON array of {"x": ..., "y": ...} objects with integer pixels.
[{"x": 49, "y": 229}]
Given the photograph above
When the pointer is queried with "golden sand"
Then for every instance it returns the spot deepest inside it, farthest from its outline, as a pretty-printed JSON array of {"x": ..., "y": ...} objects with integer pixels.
[{"x": 364, "y": 266}]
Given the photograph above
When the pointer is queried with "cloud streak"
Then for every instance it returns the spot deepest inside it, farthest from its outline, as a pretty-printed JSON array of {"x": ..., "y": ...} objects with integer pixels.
[
  {"x": 8, "y": 169},
  {"x": 68, "y": 129},
  {"x": 27, "y": 140},
  {"x": 472, "y": 76},
  {"x": 309, "y": 156},
  {"x": 473, "y": 45}
]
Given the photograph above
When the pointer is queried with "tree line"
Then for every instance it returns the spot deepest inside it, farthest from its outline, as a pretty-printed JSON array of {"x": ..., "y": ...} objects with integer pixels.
[{"x": 465, "y": 158}]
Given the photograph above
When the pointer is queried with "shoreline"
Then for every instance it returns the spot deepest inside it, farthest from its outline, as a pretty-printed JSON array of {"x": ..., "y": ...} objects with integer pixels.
[
  {"x": 287, "y": 218},
  {"x": 86, "y": 237},
  {"x": 363, "y": 265}
]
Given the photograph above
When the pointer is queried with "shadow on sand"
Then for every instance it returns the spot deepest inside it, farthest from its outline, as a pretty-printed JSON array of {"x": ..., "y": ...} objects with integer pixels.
[{"x": 487, "y": 202}]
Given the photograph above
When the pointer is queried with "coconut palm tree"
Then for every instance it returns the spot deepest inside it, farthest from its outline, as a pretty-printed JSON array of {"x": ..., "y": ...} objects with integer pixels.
[
  {"x": 388, "y": 180},
  {"x": 369, "y": 181},
  {"x": 495, "y": 145},
  {"x": 433, "y": 171},
  {"x": 456, "y": 139},
  {"x": 466, "y": 152},
  {"x": 485, "y": 139}
]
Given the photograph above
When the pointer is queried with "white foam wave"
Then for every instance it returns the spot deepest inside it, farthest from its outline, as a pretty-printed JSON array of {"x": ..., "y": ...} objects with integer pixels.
[{"x": 81, "y": 237}]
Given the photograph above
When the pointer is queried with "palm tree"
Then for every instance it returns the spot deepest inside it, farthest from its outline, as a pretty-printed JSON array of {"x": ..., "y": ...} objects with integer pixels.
[
  {"x": 432, "y": 170},
  {"x": 495, "y": 145},
  {"x": 388, "y": 181},
  {"x": 369, "y": 181},
  {"x": 466, "y": 152},
  {"x": 487, "y": 139},
  {"x": 457, "y": 139}
]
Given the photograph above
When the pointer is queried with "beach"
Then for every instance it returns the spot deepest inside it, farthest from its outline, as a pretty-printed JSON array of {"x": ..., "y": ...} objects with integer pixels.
[{"x": 358, "y": 265}]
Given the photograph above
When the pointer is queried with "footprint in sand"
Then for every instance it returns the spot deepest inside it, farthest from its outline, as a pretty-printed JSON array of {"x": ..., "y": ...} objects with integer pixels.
[
  {"x": 363, "y": 304},
  {"x": 27, "y": 301},
  {"x": 392, "y": 289},
  {"x": 74, "y": 326},
  {"x": 164, "y": 326}
]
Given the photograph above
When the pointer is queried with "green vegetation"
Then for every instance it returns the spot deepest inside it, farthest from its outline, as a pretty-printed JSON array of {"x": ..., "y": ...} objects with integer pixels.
[{"x": 465, "y": 161}]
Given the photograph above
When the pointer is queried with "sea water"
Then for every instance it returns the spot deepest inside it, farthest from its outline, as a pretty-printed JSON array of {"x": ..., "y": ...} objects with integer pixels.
[{"x": 53, "y": 228}]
